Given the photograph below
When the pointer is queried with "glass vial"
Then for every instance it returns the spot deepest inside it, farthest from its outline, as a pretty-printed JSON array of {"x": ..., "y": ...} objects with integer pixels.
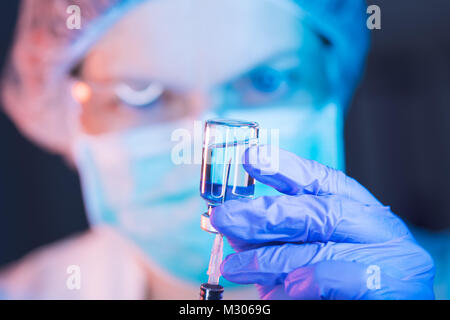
[{"x": 223, "y": 177}]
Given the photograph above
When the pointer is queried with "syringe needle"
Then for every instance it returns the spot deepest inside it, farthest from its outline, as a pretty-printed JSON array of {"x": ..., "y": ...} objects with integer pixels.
[
  {"x": 215, "y": 260},
  {"x": 217, "y": 249}
]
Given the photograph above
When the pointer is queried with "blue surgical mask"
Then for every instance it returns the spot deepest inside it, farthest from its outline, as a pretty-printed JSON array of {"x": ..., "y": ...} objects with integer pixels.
[{"x": 131, "y": 182}]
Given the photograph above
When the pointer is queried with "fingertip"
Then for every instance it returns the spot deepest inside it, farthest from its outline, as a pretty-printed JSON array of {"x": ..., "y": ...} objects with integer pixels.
[
  {"x": 224, "y": 269},
  {"x": 231, "y": 269},
  {"x": 219, "y": 217},
  {"x": 248, "y": 159},
  {"x": 251, "y": 154},
  {"x": 252, "y": 266},
  {"x": 217, "y": 224},
  {"x": 273, "y": 167},
  {"x": 214, "y": 217},
  {"x": 299, "y": 279},
  {"x": 231, "y": 213},
  {"x": 260, "y": 158}
]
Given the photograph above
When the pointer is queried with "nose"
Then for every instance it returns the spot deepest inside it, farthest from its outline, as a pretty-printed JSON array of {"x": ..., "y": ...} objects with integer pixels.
[{"x": 198, "y": 102}]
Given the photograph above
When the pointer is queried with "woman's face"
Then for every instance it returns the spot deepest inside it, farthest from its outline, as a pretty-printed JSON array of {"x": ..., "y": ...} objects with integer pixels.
[{"x": 174, "y": 59}]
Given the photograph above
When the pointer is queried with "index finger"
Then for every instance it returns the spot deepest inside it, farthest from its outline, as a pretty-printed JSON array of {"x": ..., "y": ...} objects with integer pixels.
[{"x": 294, "y": 175}]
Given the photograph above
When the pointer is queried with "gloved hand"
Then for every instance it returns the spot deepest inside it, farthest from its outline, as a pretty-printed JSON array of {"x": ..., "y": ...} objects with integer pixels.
[{"x": 326, "y": 238}]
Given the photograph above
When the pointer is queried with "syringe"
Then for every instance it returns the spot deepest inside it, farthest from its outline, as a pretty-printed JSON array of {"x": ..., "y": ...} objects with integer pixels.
[
  {"x": 213, "y": 290},
  {"x": 223, "y": 178},
  {"x": 215, "y": 260}
]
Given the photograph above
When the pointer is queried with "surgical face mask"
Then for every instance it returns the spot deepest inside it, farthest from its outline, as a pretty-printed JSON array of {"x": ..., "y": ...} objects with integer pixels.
[{"x": 129, "y": 181}]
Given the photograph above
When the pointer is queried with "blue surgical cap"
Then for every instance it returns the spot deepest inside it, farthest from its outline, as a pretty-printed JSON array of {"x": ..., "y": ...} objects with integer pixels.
[
  {"x": 342, "y": 23},
  {"x": 45, "y": 51}
]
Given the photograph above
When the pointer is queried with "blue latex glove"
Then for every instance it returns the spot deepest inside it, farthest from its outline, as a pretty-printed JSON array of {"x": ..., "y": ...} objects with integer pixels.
[{"x": 326, "y": 238}]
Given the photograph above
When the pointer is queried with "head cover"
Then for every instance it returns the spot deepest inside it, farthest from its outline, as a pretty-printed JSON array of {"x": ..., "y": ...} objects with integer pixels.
[
  {"x": 36, "y": 86},
  {"x": 342, "y": 23},
  {"x": 36, "y": 82}
]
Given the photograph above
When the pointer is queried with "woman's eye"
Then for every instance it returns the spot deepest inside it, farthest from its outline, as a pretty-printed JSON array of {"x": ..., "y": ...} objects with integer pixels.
[{"x": 267, "y": 80}]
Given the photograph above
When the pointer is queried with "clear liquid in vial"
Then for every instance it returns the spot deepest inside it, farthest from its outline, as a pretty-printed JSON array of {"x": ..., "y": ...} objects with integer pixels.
[{"x": 223, "y": 177}]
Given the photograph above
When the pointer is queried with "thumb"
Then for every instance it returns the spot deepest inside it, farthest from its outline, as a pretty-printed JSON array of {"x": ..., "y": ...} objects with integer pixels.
[
  {"x": 329, "y": 280},
  {"x": 348, "y": 280}
]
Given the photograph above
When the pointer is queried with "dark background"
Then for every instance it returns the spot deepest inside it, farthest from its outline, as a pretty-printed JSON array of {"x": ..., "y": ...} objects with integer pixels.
[{"x": 397, "y": 135}]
